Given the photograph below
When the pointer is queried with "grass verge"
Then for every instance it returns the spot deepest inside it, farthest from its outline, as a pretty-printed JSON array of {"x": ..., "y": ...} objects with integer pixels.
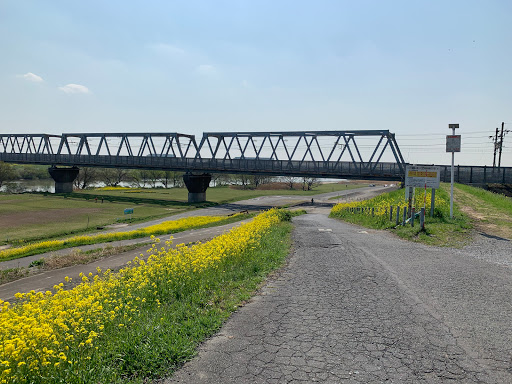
[
  {"x": 489, "y": 200},
  {"x": 440, "y": 230},
  {"x": 54, "y": 262},
  {"x": 491, "y": 213},
  {"x": 12, "y": 274},
  {"x": 33, "y": 217}
]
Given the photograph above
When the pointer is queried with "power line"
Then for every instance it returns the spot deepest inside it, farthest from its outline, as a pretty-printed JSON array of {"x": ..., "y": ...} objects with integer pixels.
[{"x": 438, "y": 134}]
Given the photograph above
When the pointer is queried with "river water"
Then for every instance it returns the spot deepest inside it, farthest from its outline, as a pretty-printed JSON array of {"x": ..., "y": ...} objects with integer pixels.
[{"x": 47, "y": 185}]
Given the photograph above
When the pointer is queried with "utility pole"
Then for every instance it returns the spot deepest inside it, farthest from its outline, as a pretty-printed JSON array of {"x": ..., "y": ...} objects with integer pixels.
[
  {"x": 501, "y": 142},
  {"x": 496, "y": 145}
]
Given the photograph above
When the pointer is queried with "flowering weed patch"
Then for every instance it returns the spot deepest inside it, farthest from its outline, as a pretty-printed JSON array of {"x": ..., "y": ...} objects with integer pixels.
[
  {"x": 164, "y": 228},
  {"x": 143, "y": 321},
  {"x": 379, "y": 206},
  {"x": 439, "y": 229},
  {"x": 112, "y": 188}
]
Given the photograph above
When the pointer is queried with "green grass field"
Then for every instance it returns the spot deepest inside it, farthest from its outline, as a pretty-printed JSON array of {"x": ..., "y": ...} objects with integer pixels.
[{"x": 29, "y": 217}]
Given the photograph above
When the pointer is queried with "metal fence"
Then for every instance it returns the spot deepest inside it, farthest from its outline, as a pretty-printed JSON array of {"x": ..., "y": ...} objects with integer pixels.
[{"x": 477, "y": 174}]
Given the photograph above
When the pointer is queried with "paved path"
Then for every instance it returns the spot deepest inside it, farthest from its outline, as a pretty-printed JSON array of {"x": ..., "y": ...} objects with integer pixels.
[{"x": 360, "y": 306}]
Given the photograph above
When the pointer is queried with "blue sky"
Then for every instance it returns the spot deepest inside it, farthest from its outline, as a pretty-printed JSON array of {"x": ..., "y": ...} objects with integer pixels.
[{"x": 194, "y": 66}]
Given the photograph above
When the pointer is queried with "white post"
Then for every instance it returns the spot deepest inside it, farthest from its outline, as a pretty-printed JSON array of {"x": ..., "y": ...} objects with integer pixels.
[
  {"x": 452, "y": 150},
  {"x": 452, "y": 180}
]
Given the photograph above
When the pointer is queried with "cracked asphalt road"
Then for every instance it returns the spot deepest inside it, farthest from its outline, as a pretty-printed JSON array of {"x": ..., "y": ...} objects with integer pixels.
[{"x": 360, "y": 306}]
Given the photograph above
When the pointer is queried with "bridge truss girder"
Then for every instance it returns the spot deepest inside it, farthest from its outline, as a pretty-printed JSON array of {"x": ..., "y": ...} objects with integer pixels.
[
  {"x": 128, "y": 144},
  {"x": 29, "y": 143},
  {"x": 299, "y": 146}
]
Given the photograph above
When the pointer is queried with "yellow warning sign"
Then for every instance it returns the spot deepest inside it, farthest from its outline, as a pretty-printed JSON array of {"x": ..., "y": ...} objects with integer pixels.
[{"x": 421, "y": 174}]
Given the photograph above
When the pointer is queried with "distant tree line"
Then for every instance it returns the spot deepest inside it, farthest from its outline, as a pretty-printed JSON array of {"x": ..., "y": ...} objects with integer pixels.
[
  {"x": 142, "y": 178},
  {"x": 10, "y": 172}
]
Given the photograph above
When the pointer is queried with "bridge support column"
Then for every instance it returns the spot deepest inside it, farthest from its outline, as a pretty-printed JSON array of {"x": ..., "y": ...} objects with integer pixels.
[
  {"x": 63, "y": 178},
  {"x": 197, "y": 185}
]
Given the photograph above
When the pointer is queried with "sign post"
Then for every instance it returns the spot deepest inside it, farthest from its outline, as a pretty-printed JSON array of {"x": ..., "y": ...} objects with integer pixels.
[
  {"x": 128, "y": 211},
  {"x": 452, "y": 145},
  {"x": 421, "y": 176}
]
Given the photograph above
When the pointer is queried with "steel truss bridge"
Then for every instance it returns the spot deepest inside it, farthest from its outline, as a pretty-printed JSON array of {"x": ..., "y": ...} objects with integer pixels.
[
  {"x": 329, "y": 154},
  {"x": 333, "y": 154}
]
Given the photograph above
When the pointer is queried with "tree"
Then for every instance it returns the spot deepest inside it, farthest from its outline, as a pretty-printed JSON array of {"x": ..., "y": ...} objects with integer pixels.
[
  {"x": 257, "y": 180},
  {"x": 112, "y": 177},
  {"x": 31, "y": 171},
  {"x": 308, "y": 183},
  {"x": 290, "y": 181},
  {"x": 6, "y": 172},
  {"x": 220, "y": 179},
  {"x": 177, "y": 180},
  {"x": 154, "y": 177},
  {"x": 139, "y": 177},
  {"x": 243, "y": 180},
  {"x": 86, "y": 177}
]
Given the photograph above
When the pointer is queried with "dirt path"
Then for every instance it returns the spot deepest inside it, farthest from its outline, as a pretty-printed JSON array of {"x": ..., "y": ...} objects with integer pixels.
[{"x": 485, "y": 218}]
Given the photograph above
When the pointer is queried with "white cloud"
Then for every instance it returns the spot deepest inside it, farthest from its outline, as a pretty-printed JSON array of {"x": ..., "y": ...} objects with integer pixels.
[
  {"x": 206, "y": 69},
  {"x": 32, "y": 77},
  {"x": 167, "y": 49},
  {"x": 74, "y": 88}
]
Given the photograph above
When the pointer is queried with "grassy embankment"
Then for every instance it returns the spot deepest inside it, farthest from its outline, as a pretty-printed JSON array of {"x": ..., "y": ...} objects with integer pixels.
[
  {"x": 143, "y": 322},
  {"x": 33, "y": 217},
  {"x": 439, "y": 230},
  {"x": 490, "y": 212}
]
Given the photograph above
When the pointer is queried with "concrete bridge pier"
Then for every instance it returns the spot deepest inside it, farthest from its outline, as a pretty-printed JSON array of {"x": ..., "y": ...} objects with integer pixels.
[
  {"x": 63, "y": 178},
  {"x": 197, "y": 185}
]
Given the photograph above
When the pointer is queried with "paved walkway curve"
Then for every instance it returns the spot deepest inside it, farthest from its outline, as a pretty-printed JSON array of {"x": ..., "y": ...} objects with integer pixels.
[{"x": 360, "y": 306}]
